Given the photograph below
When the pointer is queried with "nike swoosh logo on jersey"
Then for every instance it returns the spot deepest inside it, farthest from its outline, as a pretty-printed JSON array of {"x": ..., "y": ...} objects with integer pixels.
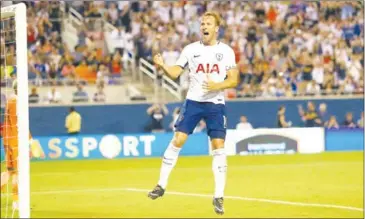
[{"x": 196, "y": 56}]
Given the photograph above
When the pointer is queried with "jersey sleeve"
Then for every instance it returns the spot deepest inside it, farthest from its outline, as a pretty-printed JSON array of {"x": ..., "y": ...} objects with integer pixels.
[
  {"x": 183, "y": 59},
  {"x": 231, "y": 60}
]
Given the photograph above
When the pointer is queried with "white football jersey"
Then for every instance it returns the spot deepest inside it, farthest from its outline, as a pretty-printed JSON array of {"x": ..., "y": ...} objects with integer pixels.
[{"x": 202, "y": 60}]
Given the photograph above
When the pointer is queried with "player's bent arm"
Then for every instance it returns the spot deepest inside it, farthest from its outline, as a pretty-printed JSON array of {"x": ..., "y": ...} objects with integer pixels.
[
  {"x": 173, "y": 71},
  {"x": 231, "y": 81},
  {"x": 151, "y": 109}
]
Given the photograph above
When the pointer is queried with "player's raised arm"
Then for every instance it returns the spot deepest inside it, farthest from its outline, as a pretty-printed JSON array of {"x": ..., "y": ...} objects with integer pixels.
[{"x": 173, "y": 71}]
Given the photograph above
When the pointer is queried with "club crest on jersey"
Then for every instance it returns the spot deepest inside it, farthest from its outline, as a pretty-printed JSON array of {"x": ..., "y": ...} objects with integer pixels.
[{"x": 219, "y": 56}]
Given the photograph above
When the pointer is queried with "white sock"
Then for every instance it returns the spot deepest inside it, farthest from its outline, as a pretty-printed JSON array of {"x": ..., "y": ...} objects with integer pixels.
[
  {"x": 168, "y": 162},
  {"x": 219, "y": 170}
]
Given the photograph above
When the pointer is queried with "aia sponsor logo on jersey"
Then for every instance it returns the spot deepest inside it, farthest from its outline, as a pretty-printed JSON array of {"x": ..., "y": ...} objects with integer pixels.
[{"x": 207, "y": 68}]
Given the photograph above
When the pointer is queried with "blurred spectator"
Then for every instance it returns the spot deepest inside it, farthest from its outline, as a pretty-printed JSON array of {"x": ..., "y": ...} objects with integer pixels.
[
  {"x": 34, "y": 96},
  {"x": 310, "y": 117},
  {"x": 73, "y": 122},
  {"x": 68, "y": 70},
  {"x": 113, "y": 13},
  {"x": 281, "y": 122},
  {"x": 77, "y": 55},
  {"x": 243, "y": 124},
  {"x": 157, "y": 112},
  {"x": 83, "y": 70},
  {"x": 80, "y": 95},
  {"x": 332, "y": 123},
  {"x": 55, "y": 58},
  {"x": 360, "y": 122},
  {"x": 102, "y": 75},
  {"x": 82, "y": 36},
  {"x": 55, "y": 15},
  {"x": 348, "y": 86},
  {"x": 313, "y": 88},
  {"x": 323, "y": 114},
  {"x": 93, "y": 11},
  {"x": 116, "y": 65},
  {"x": 118, "y": 36},
  {"x": 53, "y": 72},
  {"x": 99, "y": 96},
  {"x": 349, "y": 121},
  {"x": 41, "y": 68},
  {"x": 54, "y": 96}
]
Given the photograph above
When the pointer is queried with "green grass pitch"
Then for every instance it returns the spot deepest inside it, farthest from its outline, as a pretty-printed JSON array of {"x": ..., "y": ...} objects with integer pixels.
[{"x": 323, "y": 185}]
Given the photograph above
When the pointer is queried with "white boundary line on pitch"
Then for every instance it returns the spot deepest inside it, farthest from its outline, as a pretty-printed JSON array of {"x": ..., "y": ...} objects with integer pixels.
[
  {"x": 205, "y": 196},
  {"x": 181, "y": 168}
]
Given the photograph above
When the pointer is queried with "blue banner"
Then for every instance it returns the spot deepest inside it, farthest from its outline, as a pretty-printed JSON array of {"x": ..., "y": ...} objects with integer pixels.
[
  {"x": 43, "y": 121},
  {"x": 113, "y": 146},
  {"x": 344, "y": 139}
]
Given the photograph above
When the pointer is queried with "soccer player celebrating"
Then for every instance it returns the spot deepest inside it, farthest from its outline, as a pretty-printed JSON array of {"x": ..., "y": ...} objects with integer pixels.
[{"x": 212, "y": 68}]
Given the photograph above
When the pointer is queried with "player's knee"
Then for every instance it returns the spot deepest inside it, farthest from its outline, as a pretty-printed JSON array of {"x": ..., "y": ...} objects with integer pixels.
[
  {"x": 179, "y": 139},
  {"x": 217, "y": 143}
]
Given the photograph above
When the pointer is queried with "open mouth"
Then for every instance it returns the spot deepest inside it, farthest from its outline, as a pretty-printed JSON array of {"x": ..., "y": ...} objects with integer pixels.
[{"x": 206, "y": 33}]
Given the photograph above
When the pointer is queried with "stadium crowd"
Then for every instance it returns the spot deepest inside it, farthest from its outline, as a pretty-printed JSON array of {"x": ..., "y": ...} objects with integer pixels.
[
  {"x": 50, "y": 58},
  {"x": 282, "y": 48}
]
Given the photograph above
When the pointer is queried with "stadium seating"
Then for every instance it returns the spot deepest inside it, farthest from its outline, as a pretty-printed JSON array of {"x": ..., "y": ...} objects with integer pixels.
[{"x": 282, "y": 49}]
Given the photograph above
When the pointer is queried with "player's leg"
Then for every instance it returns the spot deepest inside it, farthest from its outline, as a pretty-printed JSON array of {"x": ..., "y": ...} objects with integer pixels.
[
  {"x": 5, "y": 176},
  {"x": 189, "y": 117},
  {"x": 169, "y": 161},
  {"x": 216, "y": 124},
  {"x": 14, "y": 189},
  {"x": 13, "y": 170},
  {"x": 219, "y": 166},
  {"x": 170, "y": 157},
  {"x": 11, "y": 173},
  {"x": 4, "y": 180}
]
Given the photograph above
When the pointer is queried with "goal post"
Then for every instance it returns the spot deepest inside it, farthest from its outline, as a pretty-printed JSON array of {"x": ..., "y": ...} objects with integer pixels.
[{"x": 17, "y": 13}]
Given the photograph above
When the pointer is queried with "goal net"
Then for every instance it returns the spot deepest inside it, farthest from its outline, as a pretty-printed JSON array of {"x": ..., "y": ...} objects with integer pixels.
[{"x": 15, "y": 195}]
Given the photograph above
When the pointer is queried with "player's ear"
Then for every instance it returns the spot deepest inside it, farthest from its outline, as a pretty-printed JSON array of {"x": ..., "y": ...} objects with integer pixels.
[{"x": 216, "y": 29}]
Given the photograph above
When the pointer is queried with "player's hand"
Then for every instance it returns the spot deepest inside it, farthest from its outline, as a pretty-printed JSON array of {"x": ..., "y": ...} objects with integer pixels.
[
  {"x": 210, "y": 85},
  {"x": 158, "y": 60}
]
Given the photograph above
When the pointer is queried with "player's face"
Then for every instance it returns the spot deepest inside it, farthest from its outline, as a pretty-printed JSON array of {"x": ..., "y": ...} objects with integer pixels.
[{"x": 208, "y": 29}]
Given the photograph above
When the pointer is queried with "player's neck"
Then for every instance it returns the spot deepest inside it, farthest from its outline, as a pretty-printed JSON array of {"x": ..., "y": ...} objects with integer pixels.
[{"x": 211, "y": 43}]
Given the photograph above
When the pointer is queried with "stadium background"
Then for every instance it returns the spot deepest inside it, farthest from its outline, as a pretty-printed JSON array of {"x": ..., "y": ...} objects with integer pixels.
[{"x": 96, "y": 56}]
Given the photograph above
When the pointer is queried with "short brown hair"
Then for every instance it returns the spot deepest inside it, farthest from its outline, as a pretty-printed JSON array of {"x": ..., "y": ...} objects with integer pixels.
[{"x": 216, "y": 16}]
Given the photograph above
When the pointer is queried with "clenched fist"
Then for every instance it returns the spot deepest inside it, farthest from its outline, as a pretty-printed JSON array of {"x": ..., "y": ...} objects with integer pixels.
[
  {"x": 210, "y": 85},
  {"x": 158, "y": 60}
]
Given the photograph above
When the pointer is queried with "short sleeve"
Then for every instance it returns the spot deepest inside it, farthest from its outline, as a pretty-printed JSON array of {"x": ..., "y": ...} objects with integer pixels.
[
  {"x": 183, "y": 59},
  {"x": 231, "y": 60}
]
